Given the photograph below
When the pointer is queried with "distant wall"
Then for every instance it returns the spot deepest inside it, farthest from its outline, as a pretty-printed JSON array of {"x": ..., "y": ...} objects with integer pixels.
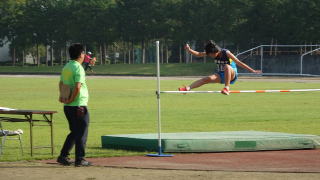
[{"x": 4, "y": 53}]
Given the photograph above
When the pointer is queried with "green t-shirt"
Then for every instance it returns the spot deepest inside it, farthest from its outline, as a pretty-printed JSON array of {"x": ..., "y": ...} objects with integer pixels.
[{"x": 72, "y": 73}]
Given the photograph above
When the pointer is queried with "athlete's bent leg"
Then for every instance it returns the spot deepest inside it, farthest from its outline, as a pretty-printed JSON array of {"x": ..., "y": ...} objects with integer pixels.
[
  {"x": 210, "y": 79},
  {"x": 229, "y": 75}
]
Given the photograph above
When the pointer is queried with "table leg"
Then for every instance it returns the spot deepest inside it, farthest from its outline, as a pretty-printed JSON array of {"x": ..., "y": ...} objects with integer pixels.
[
  {"x": 31, "y": 134},
  {"x": 51, "y": 126}
]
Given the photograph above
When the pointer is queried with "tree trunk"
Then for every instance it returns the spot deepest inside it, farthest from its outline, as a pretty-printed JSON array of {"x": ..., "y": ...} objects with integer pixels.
[
  {"x": 193, "y": 46},
  {"x": 23, "y": 57},
  {"x": 167, "y": 54},
  {"x": 14, "y": 56},
  {"x": 61, "y": 56},
  {"x": 34, "y": 59},
  {"x": 51, "y": 54},
  {"x": 38, "y": 58},
  {"x": 238, "y": 49},
  {"x": 133, "y": 55},
  {"x": 180, "y": 54},
  {"x": 129, "y": 54},
  {"x": 161, "y": 52},
  {"x": 146, "y": 57},
  {"x": 112, "y": 50},
  {"x": 305, "y": 47},
  {"x": 143, "y": 52},
  {"x": 105, "y": 53},
  {"x": 187, "y": 57},
  {"x": 46, "y": 55},
  {"x": 270, "y": 53},
  {"x": 124, "y": 53},
  {"x": 103, "y": 56},
  {"x": 100, "y": 52},
  {"x": 276, "y": 48},
  {"x": 66, "y": 51}
]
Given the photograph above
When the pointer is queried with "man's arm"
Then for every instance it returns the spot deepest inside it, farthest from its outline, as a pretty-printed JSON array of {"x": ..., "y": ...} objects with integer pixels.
[
  {"x": 241, "y": 64},
  {"x": 60, "y": 85},
  {"x": 75, "y": 93},
  {"x": 193, "y": 52}
]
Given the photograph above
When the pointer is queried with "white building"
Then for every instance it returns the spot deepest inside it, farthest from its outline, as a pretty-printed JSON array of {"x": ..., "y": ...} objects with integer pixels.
[{"x": 4, "y": 53}]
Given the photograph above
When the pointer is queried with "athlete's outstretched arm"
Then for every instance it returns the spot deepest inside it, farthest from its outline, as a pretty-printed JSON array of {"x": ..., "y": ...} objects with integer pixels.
[
  {"x": 193, "y": 52},
  {"x": 241, "y": 64}
]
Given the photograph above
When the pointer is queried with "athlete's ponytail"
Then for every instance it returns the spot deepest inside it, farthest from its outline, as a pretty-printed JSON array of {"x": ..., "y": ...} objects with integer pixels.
[{"x": 212, "y": 47}]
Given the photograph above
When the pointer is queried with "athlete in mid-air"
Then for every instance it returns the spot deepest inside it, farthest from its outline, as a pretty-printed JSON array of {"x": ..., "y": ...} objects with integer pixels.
[{"x": 226, "y": 67}]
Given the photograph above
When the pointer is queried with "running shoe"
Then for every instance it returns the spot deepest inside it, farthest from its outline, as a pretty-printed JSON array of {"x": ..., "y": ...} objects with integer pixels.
[
  {"x": 184, "y": 88},
  {"x": 225, "y": 91}
]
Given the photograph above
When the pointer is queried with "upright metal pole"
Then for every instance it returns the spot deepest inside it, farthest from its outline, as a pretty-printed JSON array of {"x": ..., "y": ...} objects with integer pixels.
[
  {"x": 159, "y": 107},
  {"x": 158, "y": 96}
]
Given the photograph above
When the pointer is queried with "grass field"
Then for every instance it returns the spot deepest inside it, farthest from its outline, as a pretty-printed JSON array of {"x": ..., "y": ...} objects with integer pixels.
[
  {"x": 121, "y": 69},
  {"x": 120, "y": 106}
]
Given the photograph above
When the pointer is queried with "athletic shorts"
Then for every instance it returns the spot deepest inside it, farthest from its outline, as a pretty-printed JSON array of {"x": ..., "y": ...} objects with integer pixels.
[{"x": 221, "y": 74}]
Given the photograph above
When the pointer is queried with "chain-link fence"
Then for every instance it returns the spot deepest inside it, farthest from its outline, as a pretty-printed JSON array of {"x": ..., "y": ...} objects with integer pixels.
[{"x": 301, "y": 60}]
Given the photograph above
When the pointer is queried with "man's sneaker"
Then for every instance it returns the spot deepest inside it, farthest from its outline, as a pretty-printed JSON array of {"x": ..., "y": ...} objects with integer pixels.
[
  {"x": 82, "y": 162},
  {"x": 64, "y": 161},
  {"x": 18, "y": 131},
  {"x": 225, "y": 91}
]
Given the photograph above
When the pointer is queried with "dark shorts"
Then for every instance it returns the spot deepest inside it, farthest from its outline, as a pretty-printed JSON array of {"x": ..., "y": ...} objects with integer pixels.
[{"x": 221, "y": 74}]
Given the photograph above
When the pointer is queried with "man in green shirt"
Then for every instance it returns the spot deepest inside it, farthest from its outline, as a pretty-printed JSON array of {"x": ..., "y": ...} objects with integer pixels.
[{"x": 75, "y": 107}]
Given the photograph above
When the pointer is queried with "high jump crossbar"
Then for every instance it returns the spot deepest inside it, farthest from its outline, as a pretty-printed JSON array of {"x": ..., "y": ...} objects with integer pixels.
[{"x": 242, "y": 91}]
